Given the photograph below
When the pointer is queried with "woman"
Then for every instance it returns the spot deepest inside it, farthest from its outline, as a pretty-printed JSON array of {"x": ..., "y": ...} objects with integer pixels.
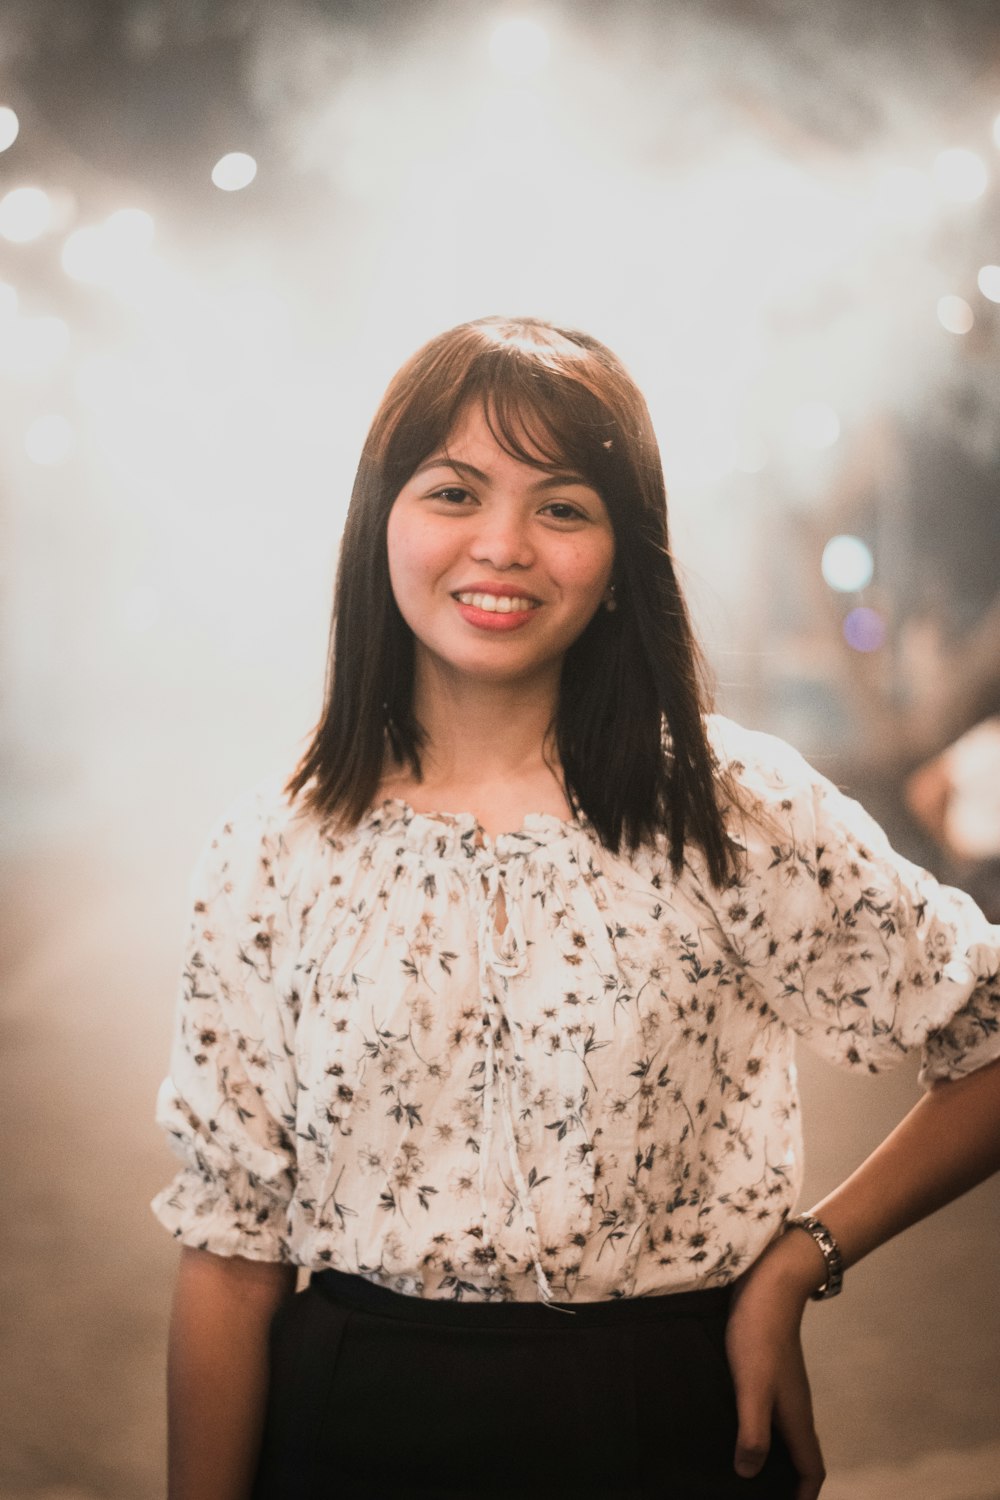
[{"x": 488, "y": 1014}]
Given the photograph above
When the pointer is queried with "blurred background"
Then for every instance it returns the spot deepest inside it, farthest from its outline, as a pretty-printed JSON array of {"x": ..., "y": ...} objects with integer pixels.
[{"x": 222, "y": 227}]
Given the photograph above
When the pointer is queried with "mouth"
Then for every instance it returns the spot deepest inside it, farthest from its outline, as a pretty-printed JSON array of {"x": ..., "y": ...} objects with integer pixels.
[{"x": 500, "y": 604}]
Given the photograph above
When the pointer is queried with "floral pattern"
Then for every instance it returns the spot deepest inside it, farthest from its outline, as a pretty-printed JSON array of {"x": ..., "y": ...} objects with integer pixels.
[{"x": 597, "y": 1101}]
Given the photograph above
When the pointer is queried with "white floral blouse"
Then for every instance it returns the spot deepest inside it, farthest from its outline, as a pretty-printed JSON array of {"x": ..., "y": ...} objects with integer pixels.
[{"x": 599, "y": 1101}]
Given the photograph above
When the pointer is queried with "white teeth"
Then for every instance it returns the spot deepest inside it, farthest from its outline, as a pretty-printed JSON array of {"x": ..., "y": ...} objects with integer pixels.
[{"x": 501, "y": 604}]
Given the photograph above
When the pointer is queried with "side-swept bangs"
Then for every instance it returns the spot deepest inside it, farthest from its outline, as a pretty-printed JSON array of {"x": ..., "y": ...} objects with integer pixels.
[
  {"x": 549, "y": 400},
  {"x": 629, "y": 728}
]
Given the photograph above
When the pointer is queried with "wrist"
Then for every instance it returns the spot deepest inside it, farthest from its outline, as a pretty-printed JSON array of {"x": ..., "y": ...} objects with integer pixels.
[
  {"x": 796, "y": 1263},
  {"x": 833, "y": 1261}
]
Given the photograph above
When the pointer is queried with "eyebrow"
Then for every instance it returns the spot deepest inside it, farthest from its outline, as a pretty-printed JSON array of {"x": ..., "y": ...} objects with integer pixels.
[{"x": 550, "y": 481}]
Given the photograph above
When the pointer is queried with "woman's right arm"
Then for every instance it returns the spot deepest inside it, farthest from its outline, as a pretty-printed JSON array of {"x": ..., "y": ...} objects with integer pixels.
[{"x": 217, "y": 1371}]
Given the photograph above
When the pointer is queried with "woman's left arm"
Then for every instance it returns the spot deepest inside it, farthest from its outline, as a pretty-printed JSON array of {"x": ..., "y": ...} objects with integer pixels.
[{"x": 949, "y": 1142}]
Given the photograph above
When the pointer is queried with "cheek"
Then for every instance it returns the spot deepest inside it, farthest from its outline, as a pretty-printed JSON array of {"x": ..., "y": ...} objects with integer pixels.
[
  {"x": 586, "y": 570},
  {"x": 396, "y": 548},
  {"x": 418, "y": 555}
]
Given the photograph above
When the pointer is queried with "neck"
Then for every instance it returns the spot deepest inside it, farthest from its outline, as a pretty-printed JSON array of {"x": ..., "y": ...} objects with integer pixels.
[{"x": 481, "y": 733}]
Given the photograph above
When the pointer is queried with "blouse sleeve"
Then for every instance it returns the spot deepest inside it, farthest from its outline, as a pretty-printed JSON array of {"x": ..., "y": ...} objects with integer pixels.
[
  {"x": 228, "y": 1103},
  {"x": 862, "y": 953}
]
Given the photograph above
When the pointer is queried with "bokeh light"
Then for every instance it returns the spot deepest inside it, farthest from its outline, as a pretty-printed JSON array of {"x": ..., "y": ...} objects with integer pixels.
[
  {"x": 131, "y": 228},
  {"x": 25, "y": 213},
  {"x": 9, "y": 127},
  {"x": 847, "y": 564},
  {"x": 234, "y": 171},
  {"x": 519, "y": 47},
  {"x": 988, "y": 282},
  {"x": 960, "y": 175},
  {"x": 83, "y": 254},
  {"x": 864, "y": 629},
  {"x": 49, "y": 440},
  {"x": 955, "y": 314}
]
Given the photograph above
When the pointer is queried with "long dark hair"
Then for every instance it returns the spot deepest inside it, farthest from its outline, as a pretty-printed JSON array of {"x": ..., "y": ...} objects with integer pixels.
[{"x": 633, "y": 693}]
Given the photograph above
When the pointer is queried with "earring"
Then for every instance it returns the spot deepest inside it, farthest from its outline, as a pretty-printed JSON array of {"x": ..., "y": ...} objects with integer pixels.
[{"x": 611, "y": 603}]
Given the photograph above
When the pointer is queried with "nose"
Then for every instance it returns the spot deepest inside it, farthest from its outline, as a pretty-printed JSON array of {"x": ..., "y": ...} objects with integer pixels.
[{"x": 503, "y": 539}]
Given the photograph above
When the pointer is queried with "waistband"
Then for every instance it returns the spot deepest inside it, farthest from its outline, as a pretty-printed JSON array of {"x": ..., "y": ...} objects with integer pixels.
[{"x": 367, "y": 1296}]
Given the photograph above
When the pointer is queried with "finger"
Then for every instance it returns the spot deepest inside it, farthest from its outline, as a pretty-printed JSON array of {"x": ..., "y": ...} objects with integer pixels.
[
  {"x": 793, "y": 1417},
  {"x": 753, "y": 1437}
]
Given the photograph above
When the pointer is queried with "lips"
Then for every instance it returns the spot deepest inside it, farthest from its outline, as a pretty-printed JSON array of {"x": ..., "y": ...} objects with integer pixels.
[{"x": 496, "y": 608}]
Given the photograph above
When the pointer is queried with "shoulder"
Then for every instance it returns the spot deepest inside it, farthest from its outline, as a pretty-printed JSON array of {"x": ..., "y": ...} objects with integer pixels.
[
  {"x": 753, "y": 752},
  {"x": 260, "y": 838},
  {"x": 776, "y": 798},
  {"x": 761, "y": 766}
]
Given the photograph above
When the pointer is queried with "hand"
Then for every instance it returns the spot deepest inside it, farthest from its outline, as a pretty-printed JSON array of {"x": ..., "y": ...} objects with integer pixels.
[{"x": 764, "y": 1346}]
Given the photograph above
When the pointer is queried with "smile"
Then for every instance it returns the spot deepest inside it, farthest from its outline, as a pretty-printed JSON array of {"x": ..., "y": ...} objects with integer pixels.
[{"x": 501, "y": 604}]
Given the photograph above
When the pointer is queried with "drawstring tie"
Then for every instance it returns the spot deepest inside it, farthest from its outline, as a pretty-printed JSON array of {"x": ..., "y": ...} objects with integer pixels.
[{"x": 501, "y": 965}]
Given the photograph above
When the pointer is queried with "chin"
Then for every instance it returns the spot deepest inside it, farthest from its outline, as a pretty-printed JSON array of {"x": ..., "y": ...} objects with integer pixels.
[{"x": 485, "y": 668}]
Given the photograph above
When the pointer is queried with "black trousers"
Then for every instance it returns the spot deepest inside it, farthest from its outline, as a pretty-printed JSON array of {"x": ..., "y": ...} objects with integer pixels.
[{"x": 374, "y": 1394}]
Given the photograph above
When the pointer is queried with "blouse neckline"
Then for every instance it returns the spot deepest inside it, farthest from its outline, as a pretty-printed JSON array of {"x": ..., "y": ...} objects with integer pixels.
[{"x": 460, "y": 834}]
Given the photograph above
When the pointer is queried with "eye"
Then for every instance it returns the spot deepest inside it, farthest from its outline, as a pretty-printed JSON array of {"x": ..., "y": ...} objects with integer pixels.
[
  {"x": 561, "y": 510},
  {"x": 451, "y": 494}
]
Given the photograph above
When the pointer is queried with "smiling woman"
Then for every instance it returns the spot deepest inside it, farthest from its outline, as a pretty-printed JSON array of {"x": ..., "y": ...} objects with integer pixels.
[
  {"x": 489, "y": 1010},
  {"x": 560, "y": 491}
]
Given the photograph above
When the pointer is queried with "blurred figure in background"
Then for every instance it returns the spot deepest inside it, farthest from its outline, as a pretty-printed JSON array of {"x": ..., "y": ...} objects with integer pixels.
[{"x": 956, "y": 797}]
